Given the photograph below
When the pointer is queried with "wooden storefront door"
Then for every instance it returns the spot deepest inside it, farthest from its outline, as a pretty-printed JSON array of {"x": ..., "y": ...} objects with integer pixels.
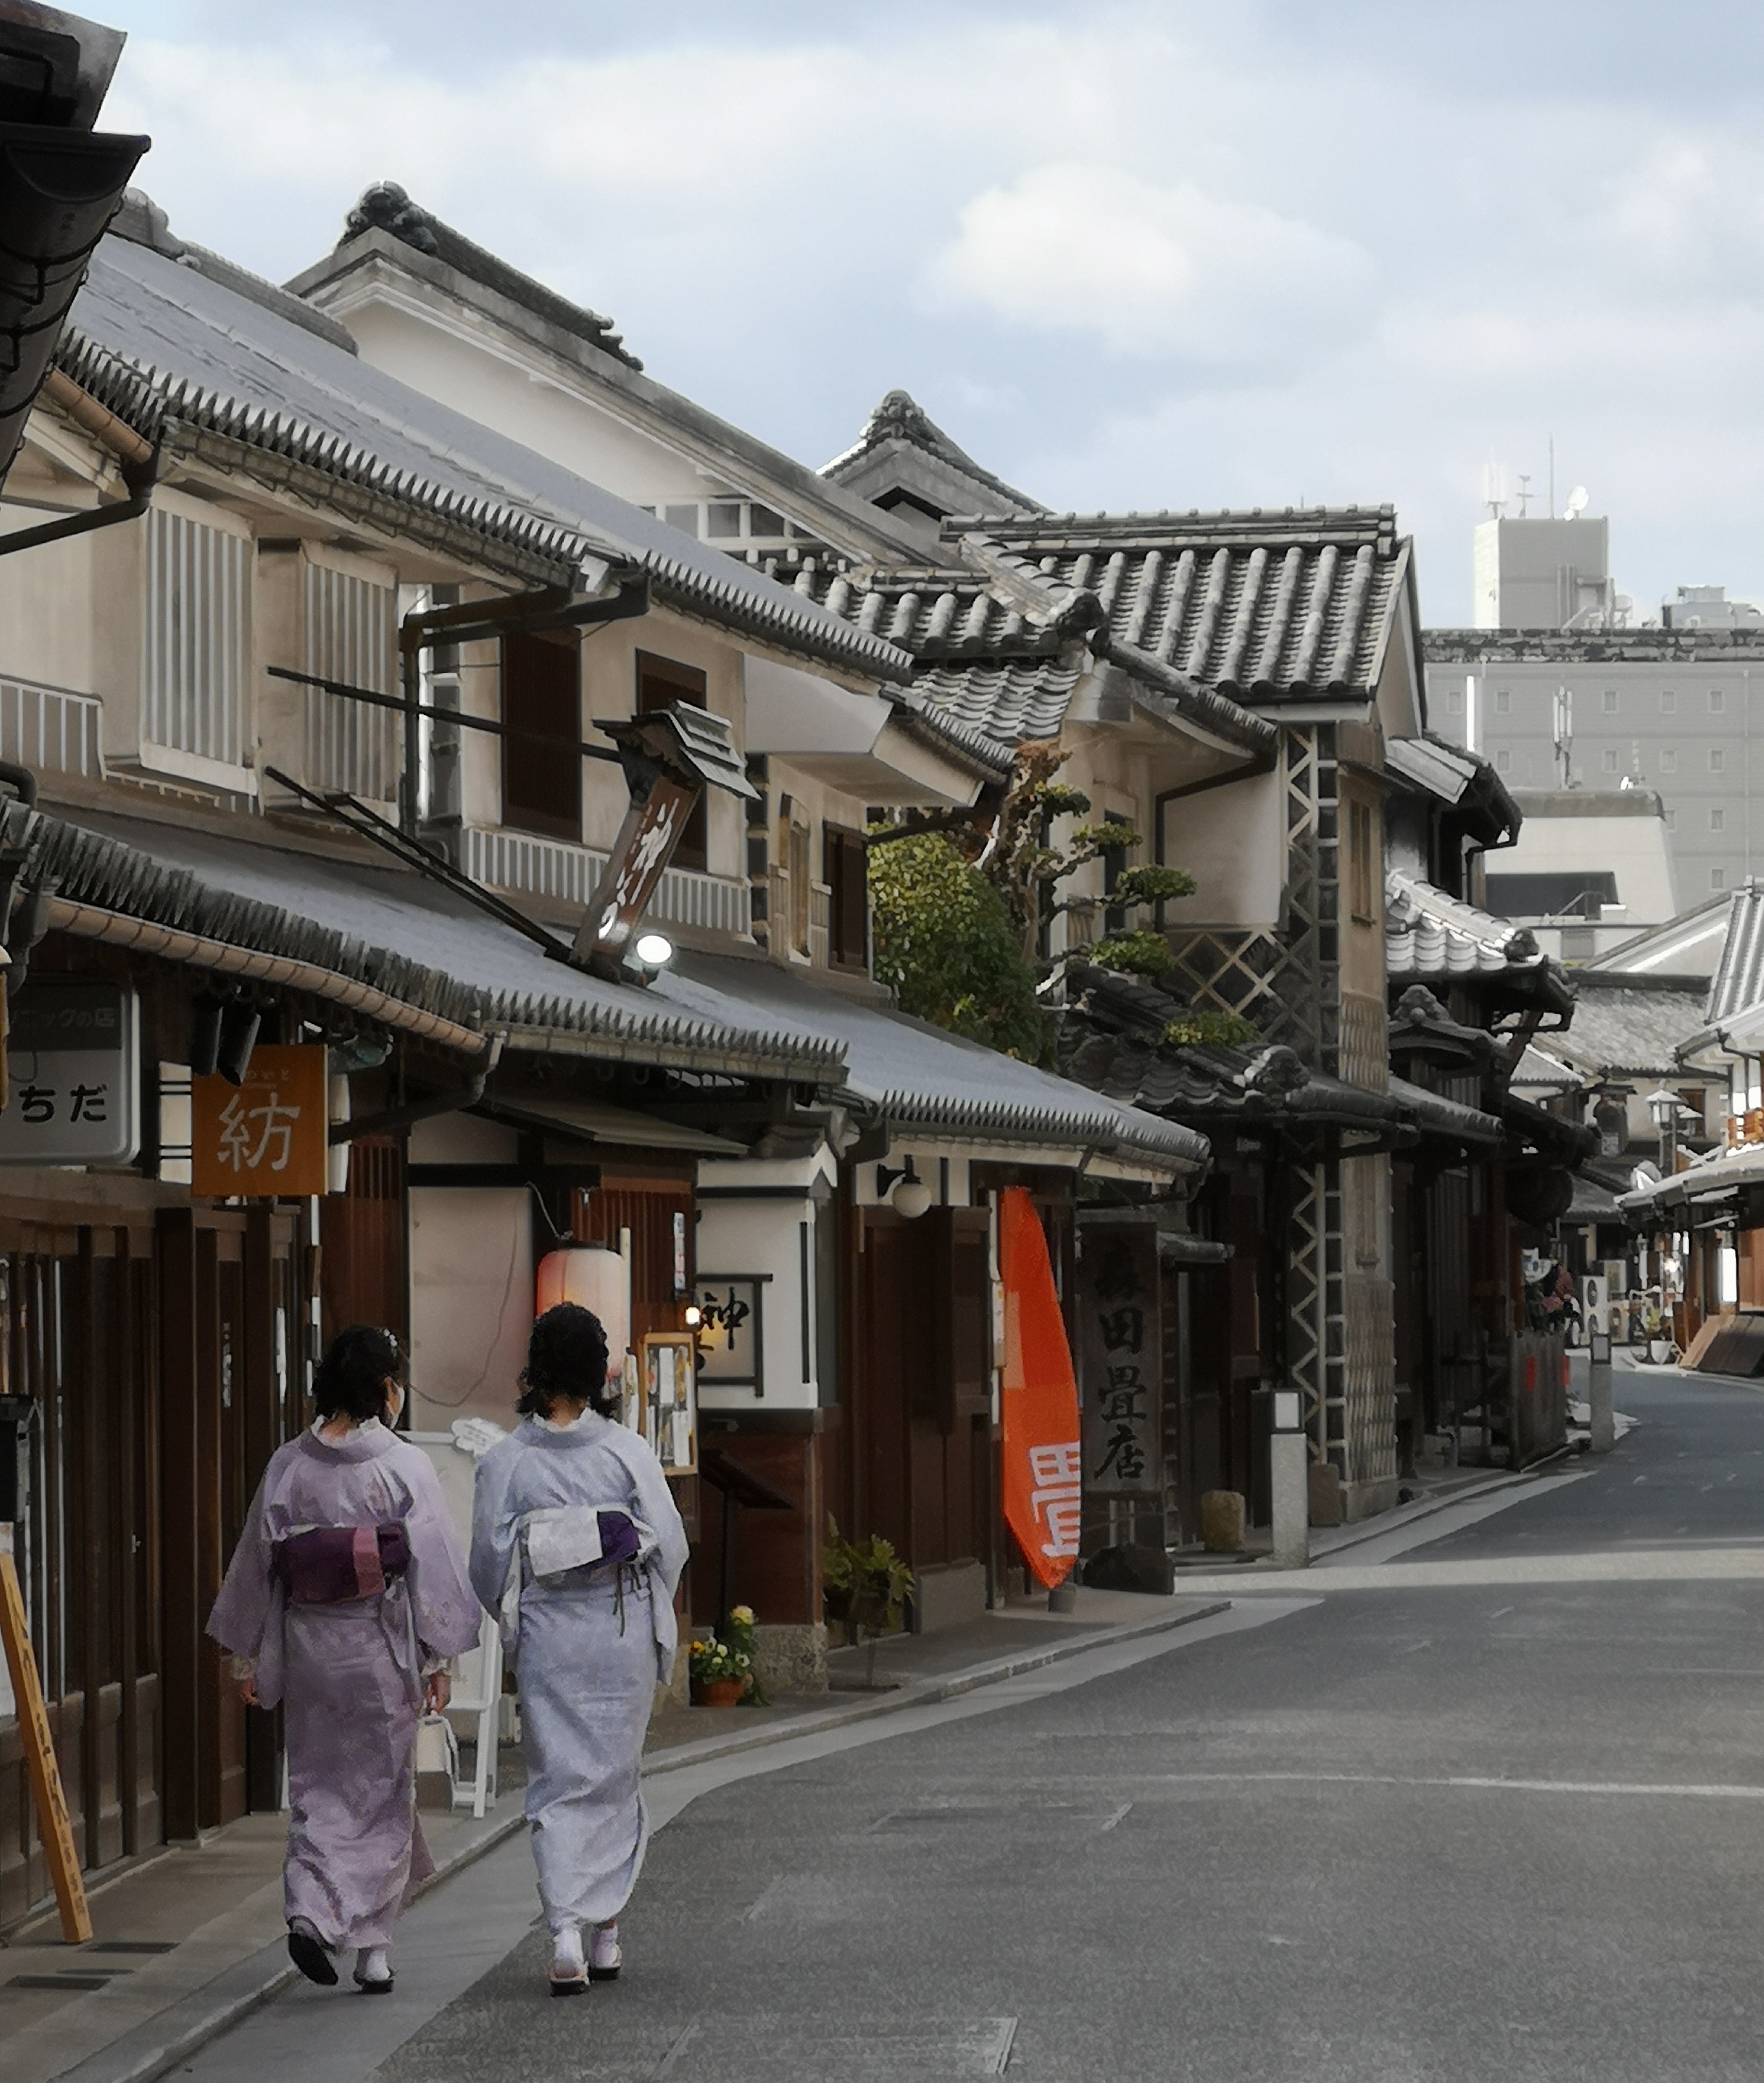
[
  {"x": 230, "y": 1324},
  {"x": 920, "y": 1437},
  {"x": 77, "y": 1302}
]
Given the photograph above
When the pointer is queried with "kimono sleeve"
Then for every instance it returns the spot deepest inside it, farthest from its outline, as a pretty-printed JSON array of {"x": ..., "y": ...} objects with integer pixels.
[
  {"x": 248, "y": 1602},
  {"x": 495, "y": 1524},
  {"x": 657, "y": 1509},
  {"x": 445, "y": 1611}
]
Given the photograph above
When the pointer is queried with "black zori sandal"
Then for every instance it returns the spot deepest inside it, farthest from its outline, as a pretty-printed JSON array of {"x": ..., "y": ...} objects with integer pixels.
[{"x": 306, "y": 1951}]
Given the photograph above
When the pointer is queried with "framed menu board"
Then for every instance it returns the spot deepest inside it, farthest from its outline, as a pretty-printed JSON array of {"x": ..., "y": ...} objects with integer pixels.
[{"x": 670, "y": 1386}]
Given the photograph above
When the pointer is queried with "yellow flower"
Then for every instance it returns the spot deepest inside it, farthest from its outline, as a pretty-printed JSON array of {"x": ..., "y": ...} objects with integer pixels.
[{"x": 743, "y": 1615}]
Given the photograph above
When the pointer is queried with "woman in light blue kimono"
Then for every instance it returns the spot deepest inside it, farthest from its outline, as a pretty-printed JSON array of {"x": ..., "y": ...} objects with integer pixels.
[
  {"x": 576, "y": 1542},
  {"x": 345, "y": 1596}
]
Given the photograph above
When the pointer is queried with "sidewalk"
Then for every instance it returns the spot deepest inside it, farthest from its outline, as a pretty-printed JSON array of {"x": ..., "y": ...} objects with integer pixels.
[{"x": 191, "y": 1940}]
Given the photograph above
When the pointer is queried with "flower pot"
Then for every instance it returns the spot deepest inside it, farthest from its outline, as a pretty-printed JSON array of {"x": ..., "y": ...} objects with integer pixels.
[
  {"x": 718, "y": 1691},
  {"x": 1659, "y": 1350}
]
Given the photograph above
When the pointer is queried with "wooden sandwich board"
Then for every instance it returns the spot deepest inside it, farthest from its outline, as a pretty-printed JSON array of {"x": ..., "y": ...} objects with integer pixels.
[{"x": 52, "y": 1823}]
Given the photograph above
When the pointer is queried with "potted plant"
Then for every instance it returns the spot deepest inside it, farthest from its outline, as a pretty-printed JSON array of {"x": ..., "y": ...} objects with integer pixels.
[
  {"x": 720, "y": 1672},
  {"x": 737, "y": 1631},
  {"x": 866, "y": 1583}
]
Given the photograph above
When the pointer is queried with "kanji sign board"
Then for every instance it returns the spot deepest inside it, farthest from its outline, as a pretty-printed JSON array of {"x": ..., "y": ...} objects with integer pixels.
[
  {"x": 266, "y": 1136},
  {"x": 74, "y": 1065},
  {"x": 1120, "y": 1349}
]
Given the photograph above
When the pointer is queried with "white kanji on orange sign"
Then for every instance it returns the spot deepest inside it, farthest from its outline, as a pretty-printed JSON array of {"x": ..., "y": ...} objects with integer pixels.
[
  {"x": 266, "y": 1136},
  {"x": 1057, "y": 1497}
]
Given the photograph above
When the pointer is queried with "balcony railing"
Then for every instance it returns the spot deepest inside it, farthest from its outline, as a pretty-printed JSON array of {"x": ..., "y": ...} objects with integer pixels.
[
  {"x": 51, "y": 730},
  {"x": 523, "y": 864}
]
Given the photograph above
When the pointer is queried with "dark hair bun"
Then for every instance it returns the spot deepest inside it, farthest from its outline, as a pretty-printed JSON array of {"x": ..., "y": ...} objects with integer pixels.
[
  {"x": 566, "y": 1356},
  {"x": 351, "y": 1379}
]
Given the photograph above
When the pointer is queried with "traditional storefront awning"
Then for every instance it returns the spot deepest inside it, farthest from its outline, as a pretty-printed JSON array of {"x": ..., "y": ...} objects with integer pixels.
[
  {"x": 405, "y": 953},
  {"x": 1715, "y": 1181},
  {"x": 919, "y": 1079},
  {"x": 385, "y": 944}
]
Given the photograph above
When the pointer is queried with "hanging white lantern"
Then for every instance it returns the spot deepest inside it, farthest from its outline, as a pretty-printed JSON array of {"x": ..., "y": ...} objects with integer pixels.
[{"x": 594, "y": 1279}]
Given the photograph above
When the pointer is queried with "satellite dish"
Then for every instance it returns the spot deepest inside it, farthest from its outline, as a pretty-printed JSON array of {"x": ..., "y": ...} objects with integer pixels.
[{"x": 1576, "y": 506}]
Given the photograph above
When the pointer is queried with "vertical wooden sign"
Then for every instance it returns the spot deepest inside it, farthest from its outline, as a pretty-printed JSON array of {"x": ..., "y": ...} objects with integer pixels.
[
  {"x": 1121, "y": 1362},
  {"x": 57, "y": 1831}
]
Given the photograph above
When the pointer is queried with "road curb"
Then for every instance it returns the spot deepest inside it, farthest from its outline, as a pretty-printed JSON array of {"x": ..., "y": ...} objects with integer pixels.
[
  {"x": 923, "y": 1692},
  {"x": 1389, "y": 1523},
  {"x": 151, "y": 2050}
]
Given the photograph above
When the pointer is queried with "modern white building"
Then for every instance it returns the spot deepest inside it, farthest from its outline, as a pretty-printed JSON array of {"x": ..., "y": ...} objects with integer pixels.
[{"x": 1544, "y": 574}]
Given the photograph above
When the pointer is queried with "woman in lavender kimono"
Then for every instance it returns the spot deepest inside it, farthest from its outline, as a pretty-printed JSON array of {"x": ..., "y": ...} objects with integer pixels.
[
  {"x": 345, "y": 1593},
  {"x": 576, "y": 1540}
]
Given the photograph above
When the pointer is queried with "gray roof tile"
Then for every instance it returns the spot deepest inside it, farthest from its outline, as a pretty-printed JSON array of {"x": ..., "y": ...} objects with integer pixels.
[
  {"x": 160, "y": 343},
  {"x": 1262, "y": 608}
]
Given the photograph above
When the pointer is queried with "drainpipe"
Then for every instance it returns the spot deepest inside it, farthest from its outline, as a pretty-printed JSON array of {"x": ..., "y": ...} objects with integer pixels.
[
  {"x": 455, "y": 1101},
  {"x": 137, "y": 458}
]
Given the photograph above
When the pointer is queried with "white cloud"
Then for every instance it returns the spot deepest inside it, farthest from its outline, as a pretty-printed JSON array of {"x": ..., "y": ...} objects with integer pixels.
[
  {"x": 1137, "y": 253},
  {"x": 1152, "y": 269}
]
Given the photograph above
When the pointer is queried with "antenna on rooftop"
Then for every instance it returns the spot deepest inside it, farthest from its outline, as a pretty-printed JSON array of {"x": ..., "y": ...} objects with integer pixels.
[
  {"x": 1525, "y": 492},
  {"x": 1577, "y": 504},
  {"x": 1494, "y": 489}
]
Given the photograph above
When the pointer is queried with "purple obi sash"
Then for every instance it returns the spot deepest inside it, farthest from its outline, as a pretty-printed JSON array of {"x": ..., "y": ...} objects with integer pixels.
[
  {"x": 332, "y": 1566},
  {"x": 619, "y": 1541}
]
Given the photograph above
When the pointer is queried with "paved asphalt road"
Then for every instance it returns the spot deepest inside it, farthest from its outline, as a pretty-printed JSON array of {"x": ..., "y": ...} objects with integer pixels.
[{"x": 1502, "y": 1819}]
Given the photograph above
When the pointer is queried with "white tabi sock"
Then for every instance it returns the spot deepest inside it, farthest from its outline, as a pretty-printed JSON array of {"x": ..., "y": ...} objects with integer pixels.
[
  {"x": 603, "y": 1951},
  {"x": 372, "y": 1964}
]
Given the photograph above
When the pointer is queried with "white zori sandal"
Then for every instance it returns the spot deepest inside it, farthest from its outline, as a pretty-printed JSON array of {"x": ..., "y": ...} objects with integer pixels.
[
  {"x": 569, "y": 1977},
  {"x": 605, "y": 1957}
]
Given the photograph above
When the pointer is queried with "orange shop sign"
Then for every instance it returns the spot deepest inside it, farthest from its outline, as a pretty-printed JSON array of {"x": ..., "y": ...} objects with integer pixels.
[{"x": 265, "y": 1136}]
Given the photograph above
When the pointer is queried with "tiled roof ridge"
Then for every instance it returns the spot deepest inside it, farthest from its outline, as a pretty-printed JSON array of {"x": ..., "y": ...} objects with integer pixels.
[
  {"x": 898, "y": 415},
  {"x": 385, "y": 206},
  {"x": 1192, "y": 700},
  {"x": 1038, "y": 593},
  {"x": 154, "y": 403},
  {"x": 887, "y": 600},
  {"x": 1302, "y": 525}
]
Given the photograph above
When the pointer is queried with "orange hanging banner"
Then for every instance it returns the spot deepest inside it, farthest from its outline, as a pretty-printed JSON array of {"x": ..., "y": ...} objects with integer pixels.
[{"x": 1043, "y": 1475}]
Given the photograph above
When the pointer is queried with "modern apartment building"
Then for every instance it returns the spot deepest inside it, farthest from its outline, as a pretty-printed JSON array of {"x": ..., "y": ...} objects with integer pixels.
[{"x": 1678, "y": 711}]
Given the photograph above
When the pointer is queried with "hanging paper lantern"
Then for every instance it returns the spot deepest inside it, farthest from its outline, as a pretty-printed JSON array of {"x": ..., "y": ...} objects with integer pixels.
[{"x": 595, "y": 1278}]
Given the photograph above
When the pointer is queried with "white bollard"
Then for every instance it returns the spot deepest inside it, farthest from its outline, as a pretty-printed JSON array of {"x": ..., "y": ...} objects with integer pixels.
[
  {"x": 1290, "y": 1486},
  {"x": 1602, "y": 1424}
]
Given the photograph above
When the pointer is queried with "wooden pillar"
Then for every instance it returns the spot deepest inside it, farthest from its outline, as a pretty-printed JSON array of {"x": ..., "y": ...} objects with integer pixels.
[{"x": 181, "y": 1623}]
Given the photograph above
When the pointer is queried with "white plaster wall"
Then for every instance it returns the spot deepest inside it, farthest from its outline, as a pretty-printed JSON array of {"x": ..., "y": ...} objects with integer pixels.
[
  {"x": 1231, "y": 840},
  {"x": 70, "y": 616},
  {"x": 765, "y": 1237},
  {"x": 756, "y": 1235}
]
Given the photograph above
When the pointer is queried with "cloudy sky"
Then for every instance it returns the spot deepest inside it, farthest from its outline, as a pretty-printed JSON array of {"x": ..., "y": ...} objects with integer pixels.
[{"x": 1132, "y": 255}]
